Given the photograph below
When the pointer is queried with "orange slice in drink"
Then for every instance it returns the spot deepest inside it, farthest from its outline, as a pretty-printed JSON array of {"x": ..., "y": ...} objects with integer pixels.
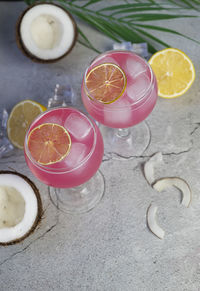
[
  {"x": 49, "y": 143},
  {"x": 106, "y": 83}
]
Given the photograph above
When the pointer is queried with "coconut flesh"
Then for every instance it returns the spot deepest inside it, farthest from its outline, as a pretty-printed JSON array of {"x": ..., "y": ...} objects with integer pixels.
[
  {"x": 18, "y": 208},
  {"x": 152, "y": 223},
  {"x": 47, "y": 31}
]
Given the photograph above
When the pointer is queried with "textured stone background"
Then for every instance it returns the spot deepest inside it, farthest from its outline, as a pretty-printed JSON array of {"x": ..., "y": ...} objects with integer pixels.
[{"x": 109, "y": 248}]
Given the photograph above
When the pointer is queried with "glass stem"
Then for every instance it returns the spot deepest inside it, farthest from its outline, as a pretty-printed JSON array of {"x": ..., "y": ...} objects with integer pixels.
[{"x": 123, "y": 132}]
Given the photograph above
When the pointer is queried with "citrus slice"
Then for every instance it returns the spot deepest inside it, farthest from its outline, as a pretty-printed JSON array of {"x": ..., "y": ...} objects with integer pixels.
[
  {"x": 106, "y": 83},
  {"x": 174, "y": 72},
  {"x": 49, "y": 143},
  {"x": 21, "y": 116}
]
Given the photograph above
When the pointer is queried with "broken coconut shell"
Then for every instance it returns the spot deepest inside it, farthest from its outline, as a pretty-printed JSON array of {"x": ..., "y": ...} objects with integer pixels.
[
  {"x": 39, "y": 207},
  {"x": 27, "y": 52}
]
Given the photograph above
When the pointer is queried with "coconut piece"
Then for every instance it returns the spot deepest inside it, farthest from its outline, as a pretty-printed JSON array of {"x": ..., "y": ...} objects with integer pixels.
[
  {"x": 12, "y": 206},
  {"x": 182, "y": 185},
  {"x": 149, "y": 167},
  {"x": 46, "y": 32},
  {"x": 20, "y": 207},
  {"x": 152, "y": 223}
]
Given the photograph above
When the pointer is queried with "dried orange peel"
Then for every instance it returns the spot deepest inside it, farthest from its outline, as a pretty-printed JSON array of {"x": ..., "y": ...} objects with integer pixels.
[
  {"x": 49, "y": 143},
  {"x": 105, "y": 83}
]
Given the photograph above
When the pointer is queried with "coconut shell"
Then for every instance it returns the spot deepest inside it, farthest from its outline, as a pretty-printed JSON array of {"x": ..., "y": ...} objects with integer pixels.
[
  {"x": 26, "y": 52},
  {"x": 39, "y": 201}
]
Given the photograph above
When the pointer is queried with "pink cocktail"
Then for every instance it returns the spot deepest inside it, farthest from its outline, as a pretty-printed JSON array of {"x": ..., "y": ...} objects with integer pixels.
[
  {"x": 84, "y": 157},
  {"x": 136, "y": 101}
]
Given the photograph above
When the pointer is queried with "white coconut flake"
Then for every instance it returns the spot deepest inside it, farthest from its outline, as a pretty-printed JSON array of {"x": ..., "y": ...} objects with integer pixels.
[
  {"x": 152, "y": 223},
  {"x": 149, "y": 167},
  {"x": 182, "y": 185},
  {"x": 8, "y": 234}
]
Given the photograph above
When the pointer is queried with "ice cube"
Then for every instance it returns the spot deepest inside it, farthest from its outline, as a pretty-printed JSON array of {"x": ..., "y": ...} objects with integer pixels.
[
  {"x": 5, "y": 145},
  {"x": 125, "y": 45},
  {"x": 49, "y": 118},
  {"x": 78, "y": 126},
  {"x": 118, "y": 114},
  {"x": 138, "y": 88},
  {"x": 76, "y": 155},
  {"x": 63, "y": 96},
  {"x": 105, "y": 59},
  {"x": 140, "y": 49},
  {"x": 135, "y": 67}
]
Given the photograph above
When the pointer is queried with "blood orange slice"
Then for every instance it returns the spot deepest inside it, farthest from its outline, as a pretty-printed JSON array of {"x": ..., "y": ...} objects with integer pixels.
[
  {"x": 49, "y": 143},
  {"x": 106, "y": 83}
]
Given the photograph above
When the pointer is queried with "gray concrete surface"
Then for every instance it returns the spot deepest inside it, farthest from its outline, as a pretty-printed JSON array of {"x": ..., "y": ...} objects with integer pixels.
[{"x": 109, "y": 248}]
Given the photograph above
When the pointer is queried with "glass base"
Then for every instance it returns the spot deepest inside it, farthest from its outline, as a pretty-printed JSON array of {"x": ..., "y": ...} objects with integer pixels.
[
  {"x": 126, "y": 142},
  {"x": 79, "y": 199}
]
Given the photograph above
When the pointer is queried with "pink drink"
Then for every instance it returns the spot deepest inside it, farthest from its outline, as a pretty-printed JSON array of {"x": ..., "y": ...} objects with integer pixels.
[
  {"x": 85, "y": 154},
  {"x": 138, "y": 99}
]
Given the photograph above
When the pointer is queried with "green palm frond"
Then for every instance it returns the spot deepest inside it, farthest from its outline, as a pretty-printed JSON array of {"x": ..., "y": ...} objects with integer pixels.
[
  {"x": 85, "y": 41},
  {"x": 126, "y": 21}
]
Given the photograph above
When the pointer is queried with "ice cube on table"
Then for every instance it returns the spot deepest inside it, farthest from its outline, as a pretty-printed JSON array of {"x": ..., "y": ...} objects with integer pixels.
[
  {"x": 3, "y": 118},
  {"x": 125, "y": 45},
  {"x": 76, "y": 155},
  {"x": 118, "y": 113},
  {"x": 78, "y": 127},
  {"x": 63, "y": 96},
  {"x": 5, "y": 145},
  {"x": 140, "y": 49},
  {"x": 134, "y": 68},
  {"x": 138, "y": 87}
]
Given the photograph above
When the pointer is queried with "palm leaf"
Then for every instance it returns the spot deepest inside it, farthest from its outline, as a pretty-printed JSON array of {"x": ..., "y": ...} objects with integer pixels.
[
  {"x": 86, "y": 41},
  {"x": 153, "y": 27},
  {"x": 149, "y": 35},
  {"x": 126, "y": 21},
  {"x": 154, "y": 16},
  {"x": 127, "y": 34},
  {"x": 138, "y": 9},
  {"x": 96, "y": 22},
  {"x": 91, "y": 2},
  {"x": 192, "y": 4},
  {"x": 125, "y": 6}
]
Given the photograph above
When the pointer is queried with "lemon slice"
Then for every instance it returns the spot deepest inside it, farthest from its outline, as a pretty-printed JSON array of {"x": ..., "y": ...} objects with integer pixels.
[
  {"x": 106, "y": 83},
  {"x": 49, "y": 143},
  {"x": 21, "y": 116},
  {"x": 174, "y": 72}
]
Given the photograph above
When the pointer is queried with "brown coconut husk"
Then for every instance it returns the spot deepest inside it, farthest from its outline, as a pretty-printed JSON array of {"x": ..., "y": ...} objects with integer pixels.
[
  {"x": 26, "y": 52},
  {"x": 39, "y": 214}
]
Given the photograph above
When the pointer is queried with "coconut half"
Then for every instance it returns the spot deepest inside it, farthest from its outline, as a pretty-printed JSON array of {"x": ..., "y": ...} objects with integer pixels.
[
  {"x": 46, "y": 32},
  {"x": 20, "y": 207}
]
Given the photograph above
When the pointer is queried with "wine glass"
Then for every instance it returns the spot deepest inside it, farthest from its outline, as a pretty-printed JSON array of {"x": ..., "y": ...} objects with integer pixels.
[
  {"x": 76, "y": 184},
  {"x": 119, "y": 90}
]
